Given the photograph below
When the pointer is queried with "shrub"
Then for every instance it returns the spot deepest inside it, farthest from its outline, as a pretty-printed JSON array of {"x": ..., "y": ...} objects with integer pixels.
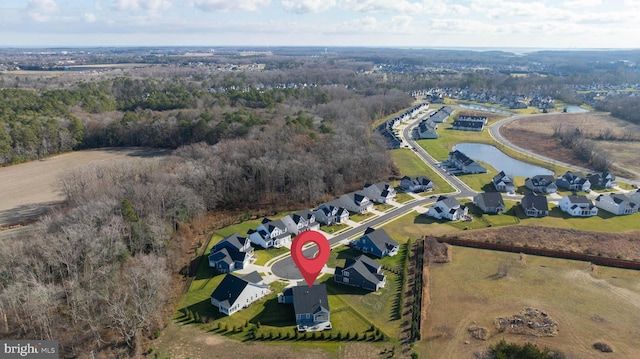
[{"x": 603, "y": 347}]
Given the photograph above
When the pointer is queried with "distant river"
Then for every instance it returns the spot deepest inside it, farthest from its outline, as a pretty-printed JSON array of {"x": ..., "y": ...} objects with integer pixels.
[{"x": 499, "y": 160}]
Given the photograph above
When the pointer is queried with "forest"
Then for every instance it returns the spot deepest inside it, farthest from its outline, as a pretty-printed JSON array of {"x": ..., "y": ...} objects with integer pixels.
[{"x": 98, "y": 272}]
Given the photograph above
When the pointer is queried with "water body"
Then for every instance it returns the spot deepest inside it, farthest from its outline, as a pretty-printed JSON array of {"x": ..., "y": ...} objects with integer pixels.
[
  {"x": 500, "y": 161},
  {"x": 484, "y": 108},
  {"x": 574, "y": 109}
]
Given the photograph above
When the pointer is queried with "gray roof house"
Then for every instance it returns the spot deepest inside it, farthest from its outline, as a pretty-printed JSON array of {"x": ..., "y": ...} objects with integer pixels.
[
  {"x": 329, "y": 214},
  {"x": 362, "y": 272},
  {"x": 542, "y": 184},
  {"x": 490, "y": 202},
  {"x": 578, "y": 206},
  {"x": 635, "y": 197},
  {"x": 311, "y": 306},
  {"x": 270, "y": 234},
  {"x": 300, "y": 221},
  {"x": 442, "y": 115},
  {"x": 574, "y": 181},
  {"x": 426, "y": 129},
  {"x": 602, "y": 180},
  {"x": 231, "y": 253},
  {"x": 503, "y": 183},
  {"x": 356, "y": 202},
  {"x": 376, "y": 242},
  {"x": 616, "y": 203},
  {"x": 235, "y": 293},
  {"x": 380, "y": 192},
  {"x": 416, "y": 184},
  {"x": 534, "y": 205},
  {"x": 465, "y": 164},
  {"x": 447, "y": 208}
]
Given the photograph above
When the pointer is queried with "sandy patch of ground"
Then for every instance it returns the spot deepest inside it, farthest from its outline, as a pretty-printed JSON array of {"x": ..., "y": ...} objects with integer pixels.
[{"x": 27, "y": 189}]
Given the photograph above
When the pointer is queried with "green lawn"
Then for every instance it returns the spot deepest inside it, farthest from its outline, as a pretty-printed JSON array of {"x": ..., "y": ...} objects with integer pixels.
[
  {"x": 357, "y": 217},
  {"x": 377, "y": 307},
  {"x": 411, "y": 165},
  {"x": 334, "y": 228},
  {"x": 402, "y": 197},
  {"x": 382, "y": 207}
]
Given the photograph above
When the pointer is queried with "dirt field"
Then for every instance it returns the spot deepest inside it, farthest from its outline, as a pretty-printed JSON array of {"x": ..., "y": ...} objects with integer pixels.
[
  {"x": 535, "y": 135},
  {"x": 28, "y": 188},
  {"x": 589, "y": 304}
]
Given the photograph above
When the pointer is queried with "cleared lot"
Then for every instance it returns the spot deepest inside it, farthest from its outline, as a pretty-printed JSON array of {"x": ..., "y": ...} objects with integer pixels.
[{"x": 27, "y": 189}]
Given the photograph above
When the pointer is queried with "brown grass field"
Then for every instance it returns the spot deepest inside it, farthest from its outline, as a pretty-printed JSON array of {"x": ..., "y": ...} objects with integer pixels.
[
  {"x": 589, "y": 306},
  {"x": 536, "y": 135},
  {"x": 27, "y": 189}
]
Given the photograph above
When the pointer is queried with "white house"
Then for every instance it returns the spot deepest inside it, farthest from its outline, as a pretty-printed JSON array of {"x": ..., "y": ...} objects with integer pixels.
[
  {"x": 380, "y": 192},
  {"x": 270, "y": 234},
  {"x": 503, "y": 183},
  {"x": 356, "y": 202},
  {"x": 541, "y": 184},
  {"x": 602, "y": 180},
  {"x": 300, "y": 221},
  {"x": 447, "y": 208},
  {"x": 578, "y": 206},
  {"x": 635, "y": 197},
  {"x": 235, "y": 293},
  {"x": 329, "y": 214},
  {"x": 616, "y": 203},
  {"x": 416, "y": 184},
  {"x": 574, "y": 181}
]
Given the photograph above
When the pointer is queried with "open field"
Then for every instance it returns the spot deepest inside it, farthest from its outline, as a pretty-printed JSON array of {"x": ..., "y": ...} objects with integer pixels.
[
  {"x": 411, "y": 165},
  {"x": 27, "y": 189},
  {"x": 536, "y": 134},
  {"x": 589, "y": 306}
]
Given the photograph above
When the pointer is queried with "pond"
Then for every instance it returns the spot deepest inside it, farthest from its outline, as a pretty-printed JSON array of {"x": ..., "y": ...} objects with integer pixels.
[
  {"x": 484, "y": 108},
  {"x": 574, "y": 109},
  {"x": 500, "y": 161}
]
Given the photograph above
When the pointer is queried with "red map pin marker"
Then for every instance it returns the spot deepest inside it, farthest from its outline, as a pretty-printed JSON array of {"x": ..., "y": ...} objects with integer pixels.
[{"x": 310, "y": 267}]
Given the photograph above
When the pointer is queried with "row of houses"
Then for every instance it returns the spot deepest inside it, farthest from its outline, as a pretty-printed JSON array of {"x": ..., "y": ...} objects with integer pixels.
[
  {"x": 547, "y": 184},
  {"x": 311, "y": 305},
  {"x": 469, "y": 123},
  {"x": 386, "y": 129}
]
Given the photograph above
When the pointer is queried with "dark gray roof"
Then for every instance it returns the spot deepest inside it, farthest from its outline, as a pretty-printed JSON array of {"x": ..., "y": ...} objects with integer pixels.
[
  {"x": 310, "y": 300},
  {"x": 531, "y": 200},
  {"x": 450, "y": 202},
  {"x": 229, "y": 289},
  {"x": 365, "y": 266},
  {"x": 575, "y": 198},
  {"x": 467, "y": 124},
  {"x": 491, "y": 199},
  {"x": 253, "y": 277},
  {"x": 542, "y": 180},
  {"x": 235, "y": 240},
  {"x": 380, "y": 239}
]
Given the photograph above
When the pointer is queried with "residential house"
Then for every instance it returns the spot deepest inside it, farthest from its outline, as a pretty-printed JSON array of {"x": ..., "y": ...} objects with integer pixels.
[
  {"x": 380, "y": 192},
  {"x": 503, "y": 183},
  {"x": 426, "y": 129},
  {"x": 602, "y": 180},
  {"x": 376, "y": 242},
  {"x": 616, "y": 203},
  {"x": 362, "y": 272},
  {"x": 448, "y": 208},
  {"x": 356, "y": 202},
  {"x": 235, "y": 293},
  {"x": 465, "y": 164},
  {"x": 534, "y": 205},
  {"x": 416, "y": 184},
  {"x": 578, "y": 206},
  {"x": 270, "y": 234},
  {"x": 231, "y": 253},
  {"x": 635, "y": 197},
  {"x": 442, "y": 115},
  {"x": 574, "y": 181},
  {"x": 489, "y": 202},
  {"x": 470, "y": 123},
  {"x": 541, "y": 184},
  {"x": 311, "y": 306},
  {"x": 329, "y": 214},
  {"x": 300, "y": 221}
]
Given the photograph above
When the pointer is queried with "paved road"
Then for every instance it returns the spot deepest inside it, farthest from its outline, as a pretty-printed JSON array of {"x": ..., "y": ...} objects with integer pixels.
[
  {"x": 285, "y": 268},
  {"x": 495, "y": 133}
]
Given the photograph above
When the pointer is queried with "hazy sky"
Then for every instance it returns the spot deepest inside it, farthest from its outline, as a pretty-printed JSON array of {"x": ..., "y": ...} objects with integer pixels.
[{"x": 409, "y": 23}]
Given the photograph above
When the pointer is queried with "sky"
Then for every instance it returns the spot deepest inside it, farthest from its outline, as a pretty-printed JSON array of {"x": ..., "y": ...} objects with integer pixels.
[{"x": 553, "y": 24}]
